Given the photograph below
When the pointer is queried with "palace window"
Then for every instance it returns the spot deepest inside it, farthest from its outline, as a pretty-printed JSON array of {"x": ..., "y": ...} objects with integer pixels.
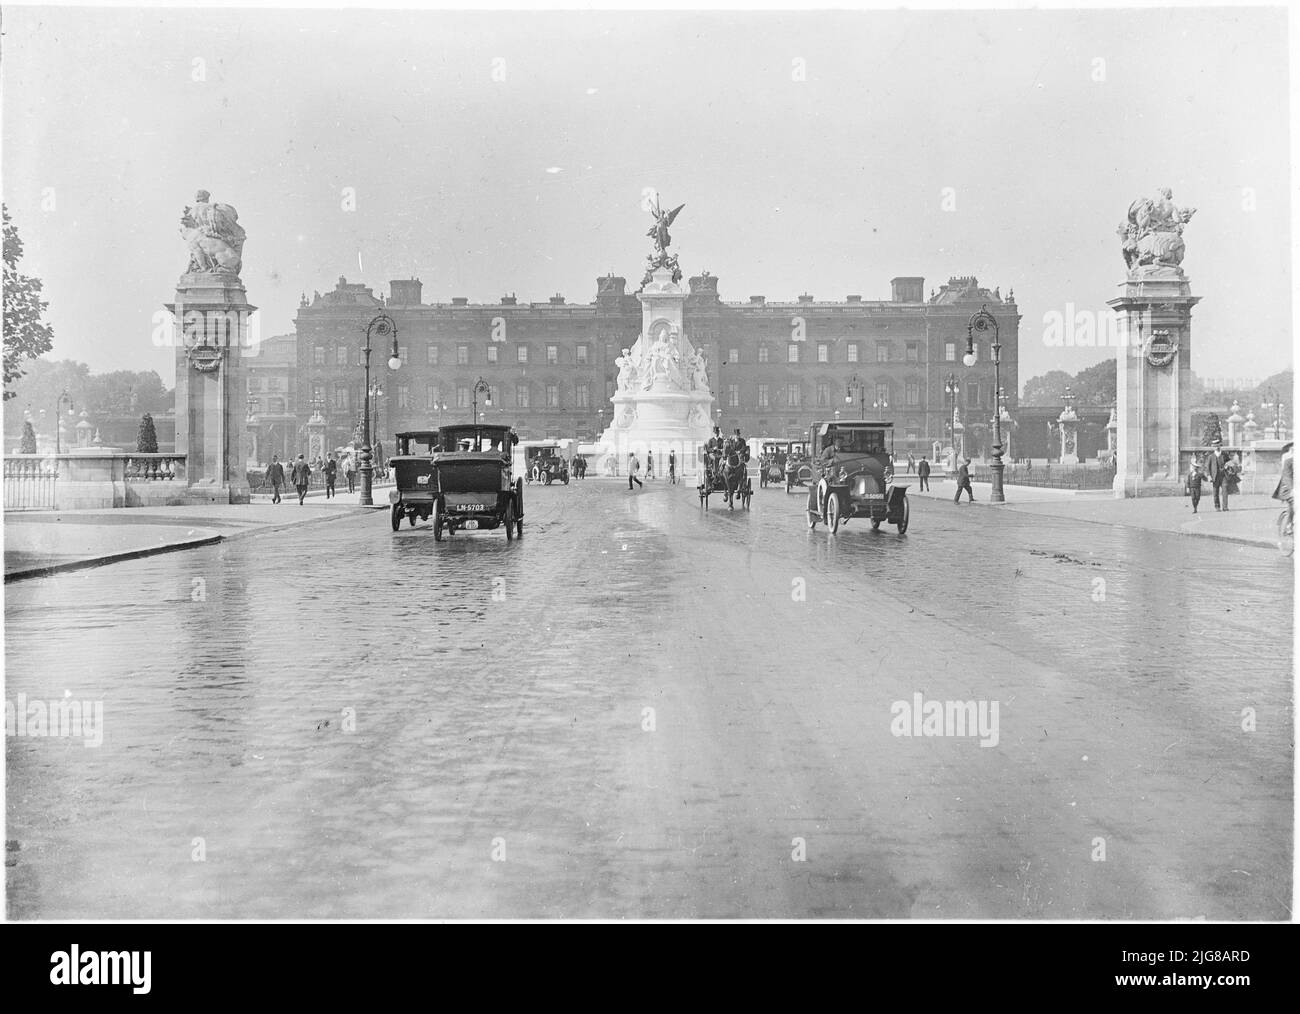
[
  {"x": 762, "y": 396},
  {"x": 853, "y": 352},
  {"x": 432, "y": 352},
  {"x": 341, "y": 355},
  {"x": 792, "y": 353},
  {"x": 913, "y": 352},
  {"x": 882, "y": 392},
  {"x": 913, "y": 393},
  {"x": 340, "y": 397},
  {"x": 733, "y": 355},
  {"x": 762, "y": 353},
  {"x": 792, "y": 399},
  {"x": 521, "y": 353},
  {"x": 492, "y": 353},
  {"x": 882, "y": 352},
  {"x": 462, "y": 355},
  {"x": 403, "y": 395},
  {"x": 430, "y": 397},
  {"x": 552, "y": 395},
  {"x": 580, "y": 355},
  {"x": 823, "y": 353},
  {"x": 733, "y": 396},
  {"x": 318, "y": 355},
  {"x": 552, "y": 355},
  {"x": 462, "y": 397},
  {"x": 823, "y": 395},
  {"x": 582, "y": 394},
  {"x": 949, "y": 352},
  {"x": 521, "y": 394},
  {"x": 402, "y": 354}
]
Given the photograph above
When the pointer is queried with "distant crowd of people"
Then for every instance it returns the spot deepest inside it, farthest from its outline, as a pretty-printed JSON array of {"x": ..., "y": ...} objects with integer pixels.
[{"x": 301, "y": 470}]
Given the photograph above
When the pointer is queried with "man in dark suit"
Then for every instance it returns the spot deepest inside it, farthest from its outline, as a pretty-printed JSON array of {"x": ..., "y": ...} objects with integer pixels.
[
  {"x": 1216, "y": 470},
  {"x": 1285, "y": 489},
  {"x": 923, "y": 473},
  {"x": 963, "y": 481}
]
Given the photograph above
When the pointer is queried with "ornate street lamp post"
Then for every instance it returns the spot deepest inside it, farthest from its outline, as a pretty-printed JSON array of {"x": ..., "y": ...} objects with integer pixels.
[
  {"x": 950, "y": 389},
  {"x": 58, "y": 419},
  {"x": 854, "y": 382},
  {"x": 880, "y": 404},
  {"x": 983, "y": 321},
  {"x": 481, "y": 387},
  {"x": 1276, "y": 406},
  {"x": 381, "y": 326}
]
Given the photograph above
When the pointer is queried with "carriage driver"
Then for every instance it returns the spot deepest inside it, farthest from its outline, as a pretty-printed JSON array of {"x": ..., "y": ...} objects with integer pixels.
[
  {"x": 826, "y": 462},
  {"x": 713, "y": 450},
  {"x": 737, "y": 443}
]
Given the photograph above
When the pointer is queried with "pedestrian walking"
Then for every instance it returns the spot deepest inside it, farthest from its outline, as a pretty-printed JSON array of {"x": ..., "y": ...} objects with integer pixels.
[
  {"x": 350, "y": 472},
  {"x": 672, "y": 468},
  {"x": 1216, "y": 470},
  {"x": 963, "y": 481},
  {"x": 911, "y": 462},
  {"x": 275, "y": 477},
  {"x": 923, "y": 474},
  {"x": 649, "y": 465},
  {"x": 301, "y": 477},
  {"x": 1193, "y": 485},
  {"x": 634, "y": 471},
  {"x": 1285, "y": 488},
  {"x": 331, "y": 473}
]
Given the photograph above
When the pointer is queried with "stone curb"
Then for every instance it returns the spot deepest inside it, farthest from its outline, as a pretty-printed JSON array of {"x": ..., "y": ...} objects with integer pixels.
[{"x": 171, "y": 547}]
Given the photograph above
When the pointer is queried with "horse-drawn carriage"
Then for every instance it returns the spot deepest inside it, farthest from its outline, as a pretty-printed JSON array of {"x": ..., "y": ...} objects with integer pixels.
[{"x": 726, "y": 472}]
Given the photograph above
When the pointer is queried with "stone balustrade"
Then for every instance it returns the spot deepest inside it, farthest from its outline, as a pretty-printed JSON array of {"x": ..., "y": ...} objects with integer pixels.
[{"x": 94, "y": 478}]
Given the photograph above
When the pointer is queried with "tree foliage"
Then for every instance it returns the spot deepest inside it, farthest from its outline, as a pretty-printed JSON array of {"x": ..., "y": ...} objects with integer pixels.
[
  {"x": 28, "y": 445},
  {"x": 146, "y": 439},
  {"x": 26, "y": 335},
  {"x": 1094, "y": 386}
]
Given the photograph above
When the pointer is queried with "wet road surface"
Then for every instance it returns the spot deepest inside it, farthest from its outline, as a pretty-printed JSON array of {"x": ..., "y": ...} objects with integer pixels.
[{"x": 646, "y": 710}]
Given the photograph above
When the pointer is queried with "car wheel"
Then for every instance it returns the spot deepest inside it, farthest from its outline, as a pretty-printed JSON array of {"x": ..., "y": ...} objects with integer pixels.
[
  {"x": 397, "y": 516},
  {"x": 510, "y": 520},
  {"x": 436, "y": 518},
  {"x": 833, "y": 512},
  {"x": 907, "y": 514}
]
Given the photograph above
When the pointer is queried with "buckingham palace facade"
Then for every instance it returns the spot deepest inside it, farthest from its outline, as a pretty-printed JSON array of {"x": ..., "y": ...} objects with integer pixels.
[{"x": 774, "y": 367}]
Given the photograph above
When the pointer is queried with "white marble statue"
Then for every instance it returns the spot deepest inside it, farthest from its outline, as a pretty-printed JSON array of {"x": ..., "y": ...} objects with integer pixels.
[{"x": 214, "y": 236}]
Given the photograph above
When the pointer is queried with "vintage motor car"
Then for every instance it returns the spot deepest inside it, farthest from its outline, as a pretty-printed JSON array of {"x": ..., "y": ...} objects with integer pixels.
[
  {"x": 458, "y": 478},
  {"x": 854, "y": 461},
  {"x": 798, "y": 465},
  {"x": 545, "y": 465}
]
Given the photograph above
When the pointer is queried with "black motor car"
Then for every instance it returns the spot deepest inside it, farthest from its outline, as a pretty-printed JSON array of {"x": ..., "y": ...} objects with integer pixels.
[
  {"x": 459, "y": 478},
  {"x": 858, "y": 480}
]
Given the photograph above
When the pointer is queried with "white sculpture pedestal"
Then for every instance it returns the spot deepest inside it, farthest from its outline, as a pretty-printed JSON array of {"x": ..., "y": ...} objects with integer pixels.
[
  {"x": 1153, "y": 365},
  {"x": 663, "y": 400},
  {"x": 212, "y": 316}
]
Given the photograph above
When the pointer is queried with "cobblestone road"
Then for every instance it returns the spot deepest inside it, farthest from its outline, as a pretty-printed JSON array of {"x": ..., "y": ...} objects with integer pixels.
[{"x": 337, "y": 721}]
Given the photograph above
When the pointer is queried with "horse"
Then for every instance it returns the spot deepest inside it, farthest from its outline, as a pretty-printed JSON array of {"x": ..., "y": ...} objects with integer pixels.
[{"x": 732, "y": 474}]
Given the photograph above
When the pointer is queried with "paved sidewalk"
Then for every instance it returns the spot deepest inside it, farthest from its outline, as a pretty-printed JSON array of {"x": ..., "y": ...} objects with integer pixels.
[
  {"x": 1251, "y": 519},
  {"x": 44, "y": 542}
]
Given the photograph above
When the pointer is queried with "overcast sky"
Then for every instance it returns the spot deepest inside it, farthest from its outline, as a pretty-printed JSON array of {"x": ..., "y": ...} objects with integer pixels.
[{"x": 830, "y": 185}]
